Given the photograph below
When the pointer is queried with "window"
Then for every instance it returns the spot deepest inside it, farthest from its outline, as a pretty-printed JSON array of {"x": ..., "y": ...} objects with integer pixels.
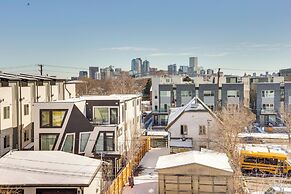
[
  {"x": 6, "y": 112},
  {"x": 52, "y": 118},
  {"x": 47, "y": 141},
  {"x": 113, "y": 116},
  {"x": 156, "y": 107},
  {"x": 84, "y": 138},
  {"x": 105, "y": 142},
  {"x": 202, "y": 130},
  {"x": 186, "y": 93},
  {"x": 6, "y": 141},
  {"x": 232, "y": 93},
  {"x": 268, "y": 93},
  {"x": 165, "y": 107},
  {"x": 26, "y": 109},
  {"x": 268, "y": 106},
  {"x": 184, "y": 130},
  {"x": 165, "y": 93},
  {"x": 101, "y": 115},
  {"x": 208, "y": 93},
  {"x": 69, "y": 142},
  {"x": 156, "y": 97},
  {"x": 105, "y": 115},
  {"x": 26, "y": 135}
]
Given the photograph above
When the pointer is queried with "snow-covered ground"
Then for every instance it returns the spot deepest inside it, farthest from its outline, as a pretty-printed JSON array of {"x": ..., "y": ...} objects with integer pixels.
[{"x": 147, "y": 181}]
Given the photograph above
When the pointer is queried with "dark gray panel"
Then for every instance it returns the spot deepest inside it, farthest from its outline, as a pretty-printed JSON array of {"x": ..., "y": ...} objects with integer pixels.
[{"x": 91, "y": 103}]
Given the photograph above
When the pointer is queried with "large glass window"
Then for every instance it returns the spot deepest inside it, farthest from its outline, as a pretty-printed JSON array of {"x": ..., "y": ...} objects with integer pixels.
[
  {"x": 268, "y": 93},
  {"x": 101, "y": 115},
  {"x": 52, "y": 118},
  {"x": 47, "y": 141},
  {"x": 26, "y": 109},
  {"x": 84, "y": 138},
  {"x": 165, "y": 93},
  {"x": 113, "y": 116},
  {"x": 232, "y": 93},
  {"x": 69, "y": 143},
  {"x": 105, "y": 142}
]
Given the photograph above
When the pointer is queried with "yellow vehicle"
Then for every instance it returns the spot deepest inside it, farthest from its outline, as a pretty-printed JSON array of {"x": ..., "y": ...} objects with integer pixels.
[{"x": 268, "y": 163}]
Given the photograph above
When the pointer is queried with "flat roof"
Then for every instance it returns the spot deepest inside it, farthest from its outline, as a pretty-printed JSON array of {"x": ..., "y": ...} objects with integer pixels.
[
  {"x": 206, "y": 158},
  {"x": 47, "y": 168},
  {"x": 261, "y": 148}
]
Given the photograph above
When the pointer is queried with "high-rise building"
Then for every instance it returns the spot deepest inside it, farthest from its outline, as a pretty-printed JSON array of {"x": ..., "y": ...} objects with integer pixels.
[
  {"x": 145, "y": 70},
  {"x": 193, "y": 65},
  {"x": 93, "y": 71},
  {"x": 183, "y": 69},
  {"x": 136, "y": 65},
  {"x": 172, "y": 69},
  {"x": 83, "y": 74}
]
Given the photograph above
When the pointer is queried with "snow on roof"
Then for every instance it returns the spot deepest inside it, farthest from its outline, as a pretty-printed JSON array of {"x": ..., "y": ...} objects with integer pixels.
[
  {"x": 264, "y": 148},
  {"x": 50, "y": 168},
  {"x": 157, "y": 133},
  {"x": 194, "y": 105},
  {"x": 187, "y": 143},
  {"x": 264, "y": 135},
  {"x": 206, "y": 158}
]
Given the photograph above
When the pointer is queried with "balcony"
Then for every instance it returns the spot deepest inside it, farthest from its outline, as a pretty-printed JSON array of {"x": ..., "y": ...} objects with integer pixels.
[
  {"x": 232, "y": 100},
  {"x": 268, "y": 112}
]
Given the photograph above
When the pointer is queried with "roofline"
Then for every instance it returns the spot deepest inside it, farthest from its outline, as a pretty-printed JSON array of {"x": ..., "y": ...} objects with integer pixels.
[
  {"x": 197, "y": 164},
  {"x": 47, "y": 185}
]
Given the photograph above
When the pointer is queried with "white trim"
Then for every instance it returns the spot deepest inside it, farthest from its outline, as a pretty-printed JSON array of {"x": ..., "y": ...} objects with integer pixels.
[
  {"x": 80, "y": 137},
  {"x": 67, "y": 134}
]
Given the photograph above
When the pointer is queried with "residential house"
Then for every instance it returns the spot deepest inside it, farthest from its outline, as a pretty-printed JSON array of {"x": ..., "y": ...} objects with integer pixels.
[
  {"x": 191, "y": 127},
  {"x": 232, "y": 94},
  {"x": 195, "y": 172},
  {"x": 50, "y": 172},
  {"x": 17, "y": 94},
  {"x": 104, "y": 127}
]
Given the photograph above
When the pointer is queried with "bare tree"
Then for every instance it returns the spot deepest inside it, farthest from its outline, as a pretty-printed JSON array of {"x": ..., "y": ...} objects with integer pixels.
[
  {"x": 231, "y": 122},
  {"x": 285, "y": 115},
  {"x": 10, "y": 190}
]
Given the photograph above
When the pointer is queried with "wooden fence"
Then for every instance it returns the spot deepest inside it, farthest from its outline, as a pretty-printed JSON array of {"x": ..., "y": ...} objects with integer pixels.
[{"x": 122, "y": 178}]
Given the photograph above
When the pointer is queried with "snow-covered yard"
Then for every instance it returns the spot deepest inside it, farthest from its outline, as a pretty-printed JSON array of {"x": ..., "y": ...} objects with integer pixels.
[{"x": 147, "y": 181}]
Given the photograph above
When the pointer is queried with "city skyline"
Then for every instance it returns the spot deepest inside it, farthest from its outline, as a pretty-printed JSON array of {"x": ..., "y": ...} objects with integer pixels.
[{"x": 70, "y": 35}]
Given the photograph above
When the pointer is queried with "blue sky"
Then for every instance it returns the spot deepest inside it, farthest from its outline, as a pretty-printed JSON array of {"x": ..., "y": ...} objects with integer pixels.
[{"x": 248, "y": 34}]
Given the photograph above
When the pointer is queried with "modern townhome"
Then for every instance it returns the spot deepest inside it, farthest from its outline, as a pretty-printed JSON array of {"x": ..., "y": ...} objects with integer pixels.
[
  {"x": 191, "y": 127},
  {"x": 208, "y": 93},
  {"x": 287, "y": 96},
  {"x": 50, "y": 172},
  {"x": 266, "y": 102},
  {"x": 232, "y": 94},
  {"x": 102, "y": 127},
  {"x": 17, "y": 94}
]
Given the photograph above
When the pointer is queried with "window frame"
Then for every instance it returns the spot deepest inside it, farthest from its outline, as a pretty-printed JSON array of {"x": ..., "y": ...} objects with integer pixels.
[
  {"x": 6, "y": 116},
  {"x": 183, "y": 129},
  {"x": 26, "y": 109},
  {"x": 104, "y": 132},
  {"x": 108, "y": 114},
  {"x": 54, "y": 146},
  {"x": 80, "y": 137},
  {"x": 51, "y": 117},
  {"x": 5, "y": 140},
  {"x": 202, "y": 130},
  {"x": 74, "y": 140}
]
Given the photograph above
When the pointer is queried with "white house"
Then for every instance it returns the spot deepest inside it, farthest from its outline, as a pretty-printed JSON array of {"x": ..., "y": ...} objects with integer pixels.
[
  {"x": 50, "y": 172},
  {"x": 191, "y": 127},
  {"x": 17, "y": 94}
]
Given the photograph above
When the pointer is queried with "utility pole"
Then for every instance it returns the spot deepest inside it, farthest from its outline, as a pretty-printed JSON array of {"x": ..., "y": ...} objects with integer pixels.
[
  {"x": 40, "y": 68},
  {"x": 217, "y": 97}
]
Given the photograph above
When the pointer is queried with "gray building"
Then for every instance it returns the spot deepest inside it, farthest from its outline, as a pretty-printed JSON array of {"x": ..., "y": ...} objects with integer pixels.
[
  {"x": 184, "y": 93},
  {"x": 136, "y": 66},
  {"x": 265, "y": 101},
  {"x": 232, "y": 94},
  {"x": 93, "y": 71},
  {"x": 145, "y": 69},
  {"x": 193, "y": 65},
  {"x": 172, "y": 69},
  {"x": 208, "y": 93},
  {"x": 83, "y": 74},
  {"x": 287, "y": 95}
]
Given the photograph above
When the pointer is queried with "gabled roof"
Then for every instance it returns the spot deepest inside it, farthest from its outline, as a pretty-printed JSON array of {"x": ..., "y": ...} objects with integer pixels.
[
  {"x": 47, "y": 168},
  {"x": 206, "y": 158},
  {"x": 194, "y": 105}
]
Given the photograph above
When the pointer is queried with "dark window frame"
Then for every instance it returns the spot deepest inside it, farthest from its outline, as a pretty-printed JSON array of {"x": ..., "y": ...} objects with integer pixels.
[
  {"x": 51, "y": 117},
  {"x": 6, "y": 141},
  {"x": 54, "y": 146},
  {"x": 5, "y": 110},
  {"x": 26, "y": 109},
  {"x": 104, "y": 144}
]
